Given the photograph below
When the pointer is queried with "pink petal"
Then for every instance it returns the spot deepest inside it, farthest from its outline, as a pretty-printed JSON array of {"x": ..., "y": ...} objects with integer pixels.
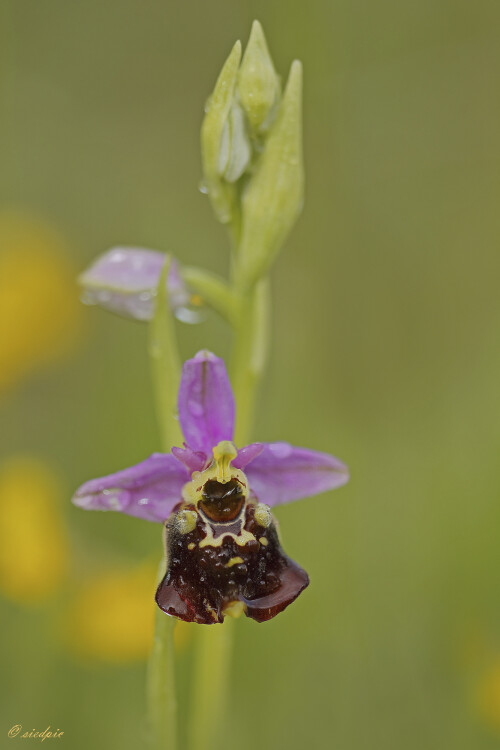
[
  {"x": 149, "y": 490},
  {"x": 193, "y": 461},
  {"x": 282, "y": 473},
  {"x": 206, "y": 402},
  {"x": 247, "y": 454},
  {"x": 124, "y": 280}
]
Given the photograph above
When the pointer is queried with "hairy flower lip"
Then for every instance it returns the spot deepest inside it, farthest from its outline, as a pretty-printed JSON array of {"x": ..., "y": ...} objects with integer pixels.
[
  {"x": 277, "y": 472},
  {"x": 203, "y": 582}
]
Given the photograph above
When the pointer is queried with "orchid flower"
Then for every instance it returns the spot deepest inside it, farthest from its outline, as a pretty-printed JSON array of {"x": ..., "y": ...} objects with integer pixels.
[
  {"x": 124, "y": 280},
  {"x": 222, "y": 548}
]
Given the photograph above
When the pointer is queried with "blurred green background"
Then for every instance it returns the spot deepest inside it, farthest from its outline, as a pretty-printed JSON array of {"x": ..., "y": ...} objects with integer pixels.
[{"x": 385, "y": 352}]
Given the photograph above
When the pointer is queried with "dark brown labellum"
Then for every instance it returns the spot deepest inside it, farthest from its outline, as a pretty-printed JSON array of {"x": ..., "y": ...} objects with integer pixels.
[{"x": 220, "y": 562}]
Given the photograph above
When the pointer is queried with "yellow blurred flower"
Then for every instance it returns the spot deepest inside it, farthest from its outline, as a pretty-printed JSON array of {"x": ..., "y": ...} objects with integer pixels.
[
  {"x": 111, "y": 617},
  {"x": 33, "y": 550},
  {"x": 39, "y": 306},
  {"x": 487, "y": 695}
]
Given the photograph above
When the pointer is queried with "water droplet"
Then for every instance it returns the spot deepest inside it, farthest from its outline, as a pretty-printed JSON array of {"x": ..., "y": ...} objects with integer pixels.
[
  {"x": 195, "y": 408},
  {"x": 186, "y": 315},
  {"x": 88, "y": 298}
]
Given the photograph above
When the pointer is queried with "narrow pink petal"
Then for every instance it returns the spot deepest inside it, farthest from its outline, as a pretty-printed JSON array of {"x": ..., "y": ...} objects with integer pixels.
[
  {"x": 282, "y": 473},
  {"x": 206, "y": 402},
  {"x": 149, "y": 490},
  {"x": 247, "y": 454},
  {"x": 193, "y": 461}
]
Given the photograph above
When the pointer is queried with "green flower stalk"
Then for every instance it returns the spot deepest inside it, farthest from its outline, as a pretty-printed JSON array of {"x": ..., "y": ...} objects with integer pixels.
[
  {"x": 214, "y": 491},
  {"x": 165, "y": 369}
]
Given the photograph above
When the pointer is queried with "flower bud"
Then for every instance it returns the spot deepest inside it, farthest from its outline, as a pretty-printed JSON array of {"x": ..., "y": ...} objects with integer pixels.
[
  {"x": 235, "y": 151},
  {"x": 274, "y": 196},
  {"x": 258, "y": 83},
  {"x": 215, "y": 145}
]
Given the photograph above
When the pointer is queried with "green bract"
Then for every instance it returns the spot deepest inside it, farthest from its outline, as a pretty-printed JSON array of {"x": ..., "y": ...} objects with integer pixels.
[
  {"x": 274, "y": 196},
  {"x": 217, "y": 110}
]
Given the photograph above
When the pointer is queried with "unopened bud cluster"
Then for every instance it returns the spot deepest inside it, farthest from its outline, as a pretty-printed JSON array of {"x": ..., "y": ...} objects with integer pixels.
[{"x": 251, "y": 141}]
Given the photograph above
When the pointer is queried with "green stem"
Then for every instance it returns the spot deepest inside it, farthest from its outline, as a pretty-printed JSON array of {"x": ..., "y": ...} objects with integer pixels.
[
  {"x": 209, "y": 694},
  {"x": 251, "y": 348},
  {"x": 214, "y": 290},
  {"x": 162, "y": 701},
  {"x": 165, "y": 364}
]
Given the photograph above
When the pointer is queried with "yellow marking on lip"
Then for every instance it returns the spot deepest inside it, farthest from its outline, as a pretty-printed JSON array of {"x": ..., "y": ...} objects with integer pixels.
[
  {"x": 191, "y": 545},
  {"x": 262, "y": 515},
  {"x": 210, "y": 610},
  {"x": 186, "y": 521},
  {"x": 234, "y": 561},
  {"x": 241, "y": 539},
  {"x": 263, "y": 541}
]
